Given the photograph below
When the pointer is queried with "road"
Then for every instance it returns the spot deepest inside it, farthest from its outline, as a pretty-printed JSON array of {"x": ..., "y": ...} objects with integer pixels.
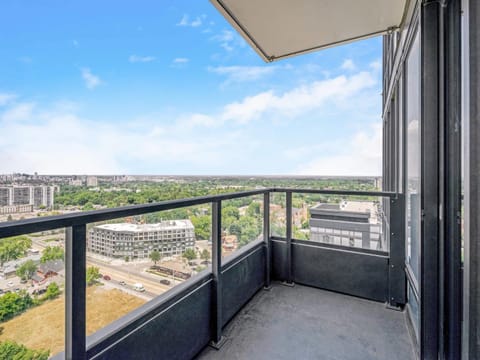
[{"x": 118, "y": 273}]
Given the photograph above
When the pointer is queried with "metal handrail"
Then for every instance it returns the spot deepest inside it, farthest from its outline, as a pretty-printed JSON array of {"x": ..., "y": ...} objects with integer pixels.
[{"x": 26, "y": 226}]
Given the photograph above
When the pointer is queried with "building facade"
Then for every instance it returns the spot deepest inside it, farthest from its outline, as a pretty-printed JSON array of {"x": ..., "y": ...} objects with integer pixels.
[
  {"x": 346, "y": 224},
  {"x": 137, "y": 241},
  {"x": 92, "y": 181},
  {"x": 27, "y": 195}
]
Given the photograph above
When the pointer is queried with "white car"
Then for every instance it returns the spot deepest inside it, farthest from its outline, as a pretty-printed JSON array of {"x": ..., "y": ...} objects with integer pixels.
[
  {"x": 10, "y": 284},
  {"x": 138, "y": 287}
]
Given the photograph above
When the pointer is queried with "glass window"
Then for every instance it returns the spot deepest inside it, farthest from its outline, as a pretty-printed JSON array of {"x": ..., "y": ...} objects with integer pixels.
[{"x": 413, "y": 137}]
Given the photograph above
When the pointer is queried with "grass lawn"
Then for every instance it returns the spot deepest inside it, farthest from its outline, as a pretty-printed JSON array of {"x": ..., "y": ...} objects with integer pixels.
[{"x": 42, "y": 327}]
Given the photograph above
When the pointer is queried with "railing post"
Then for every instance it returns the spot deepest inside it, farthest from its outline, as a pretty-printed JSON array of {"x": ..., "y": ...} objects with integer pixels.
[
  {"x": 75, "y": 291},
  {"x": 218, "y": 339},
  {"x": 396, "y": 271},
  {"x": 288, "y": 220},
  {"x": 266, "y": 238}
]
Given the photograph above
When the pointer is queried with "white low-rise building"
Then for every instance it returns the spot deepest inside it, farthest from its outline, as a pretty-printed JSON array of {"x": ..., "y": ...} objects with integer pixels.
[{"x": 137, "y": 241}]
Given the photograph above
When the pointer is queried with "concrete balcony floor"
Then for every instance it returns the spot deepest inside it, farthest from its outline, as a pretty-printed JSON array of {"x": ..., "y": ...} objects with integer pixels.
[{"x": 306, "y": 323}]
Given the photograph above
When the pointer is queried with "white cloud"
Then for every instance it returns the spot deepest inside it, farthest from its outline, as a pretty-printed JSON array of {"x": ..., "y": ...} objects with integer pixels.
[
  {"x": 291, "y": 103},
  {"x": 6, "y": 98},
  {"x": 359, "y": 155},
  {"x": 348, "y": 64},
  {"x": 179, "y": 63},
  {"x": 243, "y": 73},
  {"x": 180, "y": 60},
  {"x": 18, "y": 112},
  {"x": 185, "y": 21},
  {"x": 376, "y": 65},
  {"x": 225, "y": 39},
  {"x": 298, "y": 100},
  {"x": 58, "y": 141},
  {"x": 141, "y": 59},
  {"x": 211, "y": 142},
  {"x": 75, "y": 43},
  {"x": 91, "y": 80}
]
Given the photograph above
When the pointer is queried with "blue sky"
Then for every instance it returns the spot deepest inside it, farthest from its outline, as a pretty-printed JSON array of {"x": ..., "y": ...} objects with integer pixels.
[{"x": 168, "y": 87}]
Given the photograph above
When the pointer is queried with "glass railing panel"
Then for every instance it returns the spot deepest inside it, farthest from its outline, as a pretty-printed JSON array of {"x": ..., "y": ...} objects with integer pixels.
[
  {"x": 343, "y": 220},
  {"x": 242, "y": 223},
  {"x": 32, "y": 293},
  {"x": 130, "y": 261},
  {"x": 278, "y": 214}
]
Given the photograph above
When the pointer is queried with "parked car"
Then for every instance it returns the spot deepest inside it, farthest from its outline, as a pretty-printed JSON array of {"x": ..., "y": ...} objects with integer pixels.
[
  {"x": 165, "y": 282},
  {"x": 10, "y": 283},
  {"x": 138, "y": 287},
  {"x": 23, "y": 281},
  {"x": 106, "y": 277},
  {"x": 123, "y": 283},
  {"x": 1, "y": 291}
]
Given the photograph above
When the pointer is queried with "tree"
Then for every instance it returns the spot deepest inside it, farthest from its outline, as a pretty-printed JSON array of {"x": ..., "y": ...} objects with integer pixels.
[
  {"x": 9, "y": 217},
  {"x": 205, "y": 255},
  {"x": 253, "y": 209},
  {"x": 190, "y": 254},
  {"x": 93, "y": 274},
  {"x": 52, "y": 253},
  {"x": 126, "y": 258},
  {"x": 202, "y": 226},
  {"x": 155, "y": 256},
  {"x": 13, "y": 248},
  {"x": 235, "y": 229},
  {"x": 12, "y": 304},
  {"x": 11, "y": 350},
  {"x": 52, "y": 291},
  {"x": 27, "y": 270}
]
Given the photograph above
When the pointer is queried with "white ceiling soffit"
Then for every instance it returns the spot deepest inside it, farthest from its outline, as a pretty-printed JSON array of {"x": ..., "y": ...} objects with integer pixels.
[{"x": 281, "y": 28}]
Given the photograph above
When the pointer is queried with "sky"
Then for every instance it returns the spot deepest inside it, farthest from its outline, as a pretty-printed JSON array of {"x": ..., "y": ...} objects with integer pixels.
[{"x": 169, "y": 87}]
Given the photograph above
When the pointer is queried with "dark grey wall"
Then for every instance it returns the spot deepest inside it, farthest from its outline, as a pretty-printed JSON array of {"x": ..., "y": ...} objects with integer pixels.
[
  {"x": 178, "y": 332},
  {"x": 346, "y": 271},
  {"x": 241, "y": 281}
]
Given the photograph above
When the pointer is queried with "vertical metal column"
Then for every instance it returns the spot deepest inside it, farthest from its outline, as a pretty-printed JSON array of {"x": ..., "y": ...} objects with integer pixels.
[
  {"x": 75, "y": 291},
  {"x": 266, "y": 238},
  {"x": 288, "y": 219},
  {"x": 431, "y": 117},
  {"x": 472, "y": 189},
  {"x": 396, "y": 272},
  {"x": 451, "y": 226},
  {"x": 218, "y": 339}
]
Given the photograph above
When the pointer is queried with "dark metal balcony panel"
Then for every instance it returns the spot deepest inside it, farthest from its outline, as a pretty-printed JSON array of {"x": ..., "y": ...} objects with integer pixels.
[
  {"x": 180, "y": 331},
  {"x": 281, "y": 28},
  {"x": 304, "y": 323},
  {"x": 241, "y": 280},
  {"x": 346, "y": 271}
]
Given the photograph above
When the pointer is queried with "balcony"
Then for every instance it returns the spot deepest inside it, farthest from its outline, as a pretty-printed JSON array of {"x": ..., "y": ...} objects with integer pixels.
[
  {"x": 276, "y": 297},
  {"x": 307, "y": 323}
]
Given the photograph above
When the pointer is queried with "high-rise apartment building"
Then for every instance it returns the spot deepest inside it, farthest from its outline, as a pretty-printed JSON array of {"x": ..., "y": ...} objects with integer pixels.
[
  {"x": 92, "y": 181},
  {"x": 27, "y": 195}
]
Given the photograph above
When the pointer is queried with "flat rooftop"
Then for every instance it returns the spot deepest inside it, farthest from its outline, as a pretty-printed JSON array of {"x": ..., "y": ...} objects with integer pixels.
[
  {"x": 306, "y": 323},
  {"x": 138, "y": 228}
]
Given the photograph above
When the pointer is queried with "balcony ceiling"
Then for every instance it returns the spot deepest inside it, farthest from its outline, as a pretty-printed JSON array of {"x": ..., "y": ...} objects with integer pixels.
[{"x": 278, "y": 29}]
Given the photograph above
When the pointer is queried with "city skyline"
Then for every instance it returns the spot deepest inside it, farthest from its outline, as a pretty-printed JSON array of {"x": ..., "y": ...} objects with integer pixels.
[{"x": 177, "y": 91}]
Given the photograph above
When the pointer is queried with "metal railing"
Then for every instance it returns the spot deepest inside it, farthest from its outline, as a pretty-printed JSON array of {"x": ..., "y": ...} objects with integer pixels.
[{"x": 76, "y": 240}]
